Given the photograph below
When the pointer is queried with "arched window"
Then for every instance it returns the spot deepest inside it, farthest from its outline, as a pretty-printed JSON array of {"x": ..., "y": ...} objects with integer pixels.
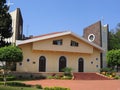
[
  {"x": 42, "y": 64},
  {"x": 81, "y": 65},
  {"x": 62, "y": 63}
]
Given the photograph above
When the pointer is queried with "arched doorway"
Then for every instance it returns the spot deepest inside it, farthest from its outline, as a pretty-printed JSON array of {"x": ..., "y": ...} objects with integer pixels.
[
  {"x": 62, "y": 63},
  {"x": 42, "y": 64},
  {"x": 80, "y": 65}
]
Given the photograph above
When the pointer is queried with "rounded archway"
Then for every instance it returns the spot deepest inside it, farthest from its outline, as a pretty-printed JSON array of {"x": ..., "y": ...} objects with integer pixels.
[
  {"x": 42, "y": 64},
  {"x": 62, "y": 63},
  {"x": 81, "y": 65}
]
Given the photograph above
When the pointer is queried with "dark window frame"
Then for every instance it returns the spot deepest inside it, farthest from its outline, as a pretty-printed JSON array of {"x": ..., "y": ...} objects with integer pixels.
[
  {"x": 62, "y": 63},
  {"x": 58, "y": 42},
  {"x": 80, "y": 65},
  {"x": 74, "y": 43},
  {"x": 42, "y": 64}
]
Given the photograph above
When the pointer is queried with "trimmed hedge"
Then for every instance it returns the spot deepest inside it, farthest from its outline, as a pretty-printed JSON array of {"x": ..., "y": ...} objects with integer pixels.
[
  {"x": 9, "y": 78},
  {"x": 18, "y": 84},
  {"x": 30, "y": 77}
]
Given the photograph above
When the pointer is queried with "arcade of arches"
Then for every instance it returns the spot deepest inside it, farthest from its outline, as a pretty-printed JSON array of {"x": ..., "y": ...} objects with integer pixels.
[{"x": 62, "y": 64}]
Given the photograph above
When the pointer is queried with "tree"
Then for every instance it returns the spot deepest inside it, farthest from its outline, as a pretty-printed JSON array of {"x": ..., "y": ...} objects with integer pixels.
[
  {"x": 9, "y": 55},
  {"x": 5, "y": 23},
  {"x": 114, "y": 38},
  {"x": 113, "y": 58}
]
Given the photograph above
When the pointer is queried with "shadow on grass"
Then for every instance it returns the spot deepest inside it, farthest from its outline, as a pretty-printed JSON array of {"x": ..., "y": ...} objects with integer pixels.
[{"x": 17, "y": 88}]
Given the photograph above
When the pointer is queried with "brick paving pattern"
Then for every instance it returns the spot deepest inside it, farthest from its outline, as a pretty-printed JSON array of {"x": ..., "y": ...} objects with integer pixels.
[{"x": 80, "y": 84}]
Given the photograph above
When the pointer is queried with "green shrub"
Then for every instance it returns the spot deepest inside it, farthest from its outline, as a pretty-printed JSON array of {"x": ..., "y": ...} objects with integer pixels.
[
  {"x": 38, "y": 86},
  {"x": 1, "y": 83},
  {"x": 50, "y": 77},
  {"x": 67, "y": 77},
  {"x": 56, "y": 88},
  {"x": 54, "y": 77},
  {"x": 67, "y": 71},
  {"x": 1, "y": 78},
  {"x": 106, "y": 69},
  {"x": 30, "y": 77},
  {"x": 117, "y": 77},
  {"x": 17, "y": 84},
  {"x": 57, "y": 77},
  {"x": 41, "y": 77},
  {"x": 8, "y": 78}
]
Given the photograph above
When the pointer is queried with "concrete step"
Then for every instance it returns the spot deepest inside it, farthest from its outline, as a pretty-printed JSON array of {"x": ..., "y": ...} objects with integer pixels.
[{"x": 89, "y": 76}]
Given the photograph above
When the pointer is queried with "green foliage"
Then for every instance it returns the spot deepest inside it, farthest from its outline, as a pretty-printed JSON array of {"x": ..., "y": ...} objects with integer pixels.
[
  {"x": 113, "y": 57},
  {"x": 30, "y": 77},
  {"x": 54, "y": 77},
  {"x": 8, "y": 78},
  {"x": 114, "y": 38},
  {"x": 56, "y": 88},
  {"x": 11, "y": 54},
  {"x": 39, "y": 86},
  {"x": 17, "y": 88},
  {"x": 106, "y": 69},
  {"x": 5, "y": 23},
  {"x": 67, "y": 77},
  {"x": 67, "y": 71},
  {"x": 117, "y": 77},
  {"x": 109, "y": 72},
  {"x": 18, "y": 84},
  {"x": 67, "y": 74}
]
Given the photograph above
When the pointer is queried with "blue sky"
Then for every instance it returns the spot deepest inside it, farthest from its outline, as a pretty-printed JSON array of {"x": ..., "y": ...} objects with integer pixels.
[{"x": 46, "y": 16}]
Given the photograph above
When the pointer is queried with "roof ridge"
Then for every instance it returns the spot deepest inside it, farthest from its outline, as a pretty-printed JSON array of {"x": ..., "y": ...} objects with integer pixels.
[{"x": 49, "y": 34}]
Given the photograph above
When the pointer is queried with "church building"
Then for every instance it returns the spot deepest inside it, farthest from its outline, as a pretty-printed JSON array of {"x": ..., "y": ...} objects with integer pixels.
[{"x": 54, "y": 51}]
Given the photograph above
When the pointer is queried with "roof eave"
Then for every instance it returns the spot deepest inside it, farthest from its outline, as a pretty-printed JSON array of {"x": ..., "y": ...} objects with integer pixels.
[
  {"x": 83, "y": 39},
  {"x": 41, "y": 38}
]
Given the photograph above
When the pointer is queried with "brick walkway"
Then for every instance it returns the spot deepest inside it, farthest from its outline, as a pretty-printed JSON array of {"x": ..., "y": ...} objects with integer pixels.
[{"x": 80, "y": 84}]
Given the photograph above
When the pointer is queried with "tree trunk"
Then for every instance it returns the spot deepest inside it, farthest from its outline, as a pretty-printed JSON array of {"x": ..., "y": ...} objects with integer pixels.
[{"x": 4, "y": 75}]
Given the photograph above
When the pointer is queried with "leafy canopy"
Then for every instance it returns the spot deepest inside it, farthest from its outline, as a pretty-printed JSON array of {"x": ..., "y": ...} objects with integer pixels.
[
  {"x": 114, "y": 38},
  {"x": 11, "y": 54},
  {"x": 5, "y": 23},
  {"x": 113, "y": 57}
]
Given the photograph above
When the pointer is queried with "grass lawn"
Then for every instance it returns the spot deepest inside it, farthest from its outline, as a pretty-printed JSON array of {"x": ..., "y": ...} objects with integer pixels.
[{"x": 17, "y": 88}]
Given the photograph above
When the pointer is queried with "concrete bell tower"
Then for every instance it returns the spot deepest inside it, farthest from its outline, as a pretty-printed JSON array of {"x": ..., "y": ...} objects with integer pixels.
[
  {"x": 17, "y": 26},
  {"x": 98, "y": 34}
]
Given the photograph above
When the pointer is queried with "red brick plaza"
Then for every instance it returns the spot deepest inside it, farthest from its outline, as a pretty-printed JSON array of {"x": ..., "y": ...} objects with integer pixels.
[{"x": 79, "y": 84}]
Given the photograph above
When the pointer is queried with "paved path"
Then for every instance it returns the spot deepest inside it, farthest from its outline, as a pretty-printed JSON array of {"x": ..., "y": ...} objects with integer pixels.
[{"x": 80, "y": 84}]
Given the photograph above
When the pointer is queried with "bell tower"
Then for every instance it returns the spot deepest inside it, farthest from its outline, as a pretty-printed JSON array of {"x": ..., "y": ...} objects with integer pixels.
[
  {"x": 93, "y": 33},
  {"x": 98, "y": 34}
]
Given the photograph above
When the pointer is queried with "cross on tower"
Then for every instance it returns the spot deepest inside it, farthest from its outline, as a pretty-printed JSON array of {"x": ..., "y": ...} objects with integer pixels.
[{"x": 9, "y": 3}]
